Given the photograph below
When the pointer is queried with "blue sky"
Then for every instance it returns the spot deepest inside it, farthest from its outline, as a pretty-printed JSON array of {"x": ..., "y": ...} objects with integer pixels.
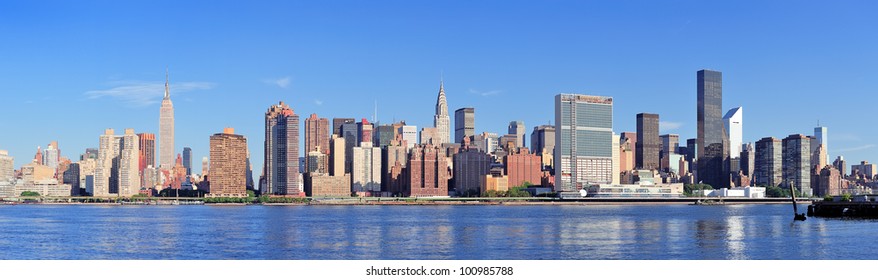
[{"x": 71, "y": 69}]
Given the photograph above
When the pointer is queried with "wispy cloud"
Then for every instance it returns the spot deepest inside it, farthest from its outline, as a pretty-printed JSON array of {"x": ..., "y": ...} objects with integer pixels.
[
  {"x": 845, "y": 137},
  {"x": 280, "y": 82},
  {"x": 141, "y": 94},
  {"x": 318, "y": 102},
  {"x": 854, "y": 149},
  {"x": 485, "y": 93},
  {"x": 669, "y": 126}
]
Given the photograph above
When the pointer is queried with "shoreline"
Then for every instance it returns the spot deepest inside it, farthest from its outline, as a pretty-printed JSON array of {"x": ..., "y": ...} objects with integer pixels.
[{"x": 457, "y": 202}]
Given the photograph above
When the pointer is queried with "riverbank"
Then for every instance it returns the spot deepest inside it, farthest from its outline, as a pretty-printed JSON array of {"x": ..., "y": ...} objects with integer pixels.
[{"x": 701, "y": 201}]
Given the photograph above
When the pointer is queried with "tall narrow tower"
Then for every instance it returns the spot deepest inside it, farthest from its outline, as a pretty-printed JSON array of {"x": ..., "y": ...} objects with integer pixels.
[
  {"x": 712, "y": 138},
  {"x": 441, "y": 120},
  {"x": 166, "y": 129},
  {"x": 281, "y": 151}
]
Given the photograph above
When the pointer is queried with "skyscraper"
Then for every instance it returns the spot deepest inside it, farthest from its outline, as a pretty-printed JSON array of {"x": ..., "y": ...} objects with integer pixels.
[
  {"x": 338, "y": 122},
  {"x": 692, "y": 153},
  {"x": 337, "y": 156},
  {"x": 518, "y": 129},
  {"x": 129, "y": 162},
  {"x": 38, "y": 158},
  {"x": 7, "y": 167},
  {"x": 205, "y": 166},
  {"x": 409, "y": 135},
  {"x": 470, "y": 165},
  {"x": 108, "y": 150},
  {"x": 364, "y": 132},
  {"x": 748, "y": 160},
  {"x": 649, "y": 145},
  {"x": 797, "y": 162},
  {"x": 841, "y": 165},
  {"x": 464, "y": 124},
  {"x": 52, "y": 156},
  {"x": 228, "y": 161},
  {"x": 542, "y": 139},
  {"x": 147, "y": 150},
  {"x": 428, "y": 172},
  {"x": 627, "y": 143},
  {"x": 394, "y": 157},
  {"x": 670, "y": 145},
  {"x": 116, "y": 169},
  {"x": 166, "y": 129},
  {"x": 822, "y": 135},
  {"x": 583, "y": 146},
  {"x": 523, "y": 167},
  {"x": 734, "y": 125},
  {"x": 486, "y": 142},
  {"x": 316, "y": 135},
  {"x": 366, "y": 173},
  {"x": 712, "y": 138},
  {"x": 769, "y": 162},
  {"x": 616, "y": 154},
  {"x": 187, "y": 160},
  {"x": 281, "y": 152},
  {"x": 382, "y": 135},
  {"x": 441, "y": 120},
  {"x": 351, "y": 139}
]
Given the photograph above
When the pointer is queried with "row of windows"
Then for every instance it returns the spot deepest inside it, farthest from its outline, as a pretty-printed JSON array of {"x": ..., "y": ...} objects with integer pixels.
[{"x": 587, "y": 114}]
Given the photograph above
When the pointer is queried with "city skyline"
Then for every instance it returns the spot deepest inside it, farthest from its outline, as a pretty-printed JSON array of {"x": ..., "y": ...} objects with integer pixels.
[{"x": 128, "y": 94}]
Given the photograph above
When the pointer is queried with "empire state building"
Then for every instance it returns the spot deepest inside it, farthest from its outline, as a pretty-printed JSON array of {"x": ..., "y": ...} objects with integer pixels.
[{"x": 166, "y": 129}]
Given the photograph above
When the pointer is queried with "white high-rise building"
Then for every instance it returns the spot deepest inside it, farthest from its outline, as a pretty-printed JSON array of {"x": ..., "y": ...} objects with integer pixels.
[
  {"x": 366, "y": 172},
  {"x": 7, "y": 167},
  {"x": 441, "y": 120},
  {"x": 617, "y": 173},
  {"x": 734, "y": 123},
  {"x": 129, "y": 164},
  {"x": 166, "y": 130},
  {"x": 108, "y": 150},
  {"x": 583, "y": 141},
  {"x": 87, "y": 174},
  {"x": 52, "y": 156},
  {"x": 116, "y": 168},
  {"x": 410, "y": 135}
]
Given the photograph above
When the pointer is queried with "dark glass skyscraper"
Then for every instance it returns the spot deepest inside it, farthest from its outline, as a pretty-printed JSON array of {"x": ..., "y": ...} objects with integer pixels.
[
  {"x": 648, "y": 146},
  {"x": 187, "y": 160},
  {"x": 712, "y": 139}
]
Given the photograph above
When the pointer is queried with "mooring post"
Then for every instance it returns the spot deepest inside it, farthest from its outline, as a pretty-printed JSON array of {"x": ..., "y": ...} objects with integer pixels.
[{"x": 796, "y": 215}]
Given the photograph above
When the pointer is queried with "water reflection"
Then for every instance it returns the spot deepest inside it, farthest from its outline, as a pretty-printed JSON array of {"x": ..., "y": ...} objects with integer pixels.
[
  {"x": 424, "y": 232},
  {"x": 735, "y": 237}
]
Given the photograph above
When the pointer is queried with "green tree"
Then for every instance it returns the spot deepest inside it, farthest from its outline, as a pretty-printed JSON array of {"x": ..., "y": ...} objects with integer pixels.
[
  {"x": 518, "y": 192},
  {"x": 29, "y": 193},
  {"x": 846, "y": 197}
]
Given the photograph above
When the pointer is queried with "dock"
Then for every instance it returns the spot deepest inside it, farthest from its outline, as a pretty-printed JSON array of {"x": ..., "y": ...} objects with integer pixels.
[{"x": 838, "y": 209}]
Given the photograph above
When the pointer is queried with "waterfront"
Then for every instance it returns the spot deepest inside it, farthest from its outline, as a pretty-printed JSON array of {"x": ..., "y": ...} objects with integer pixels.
[{"x": 606, "y": 232}]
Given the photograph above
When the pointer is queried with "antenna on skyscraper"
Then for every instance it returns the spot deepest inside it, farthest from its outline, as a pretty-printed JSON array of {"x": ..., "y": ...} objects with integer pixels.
[{"x": 375, "y": 116}]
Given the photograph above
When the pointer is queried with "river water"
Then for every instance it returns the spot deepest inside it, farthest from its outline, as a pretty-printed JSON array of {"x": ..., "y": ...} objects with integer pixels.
[{"x": 638, "y": 232}]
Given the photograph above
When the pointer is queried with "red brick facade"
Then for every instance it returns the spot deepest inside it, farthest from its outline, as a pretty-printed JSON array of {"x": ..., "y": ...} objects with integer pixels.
[{"x": 428, "y": 172}]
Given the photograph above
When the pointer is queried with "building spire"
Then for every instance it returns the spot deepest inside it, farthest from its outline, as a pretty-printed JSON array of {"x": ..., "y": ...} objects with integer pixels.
[
  {"x": 167, "y": 82},
  {"x": 441, "y": 102},
  {"x": 442, "y": 81}
]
